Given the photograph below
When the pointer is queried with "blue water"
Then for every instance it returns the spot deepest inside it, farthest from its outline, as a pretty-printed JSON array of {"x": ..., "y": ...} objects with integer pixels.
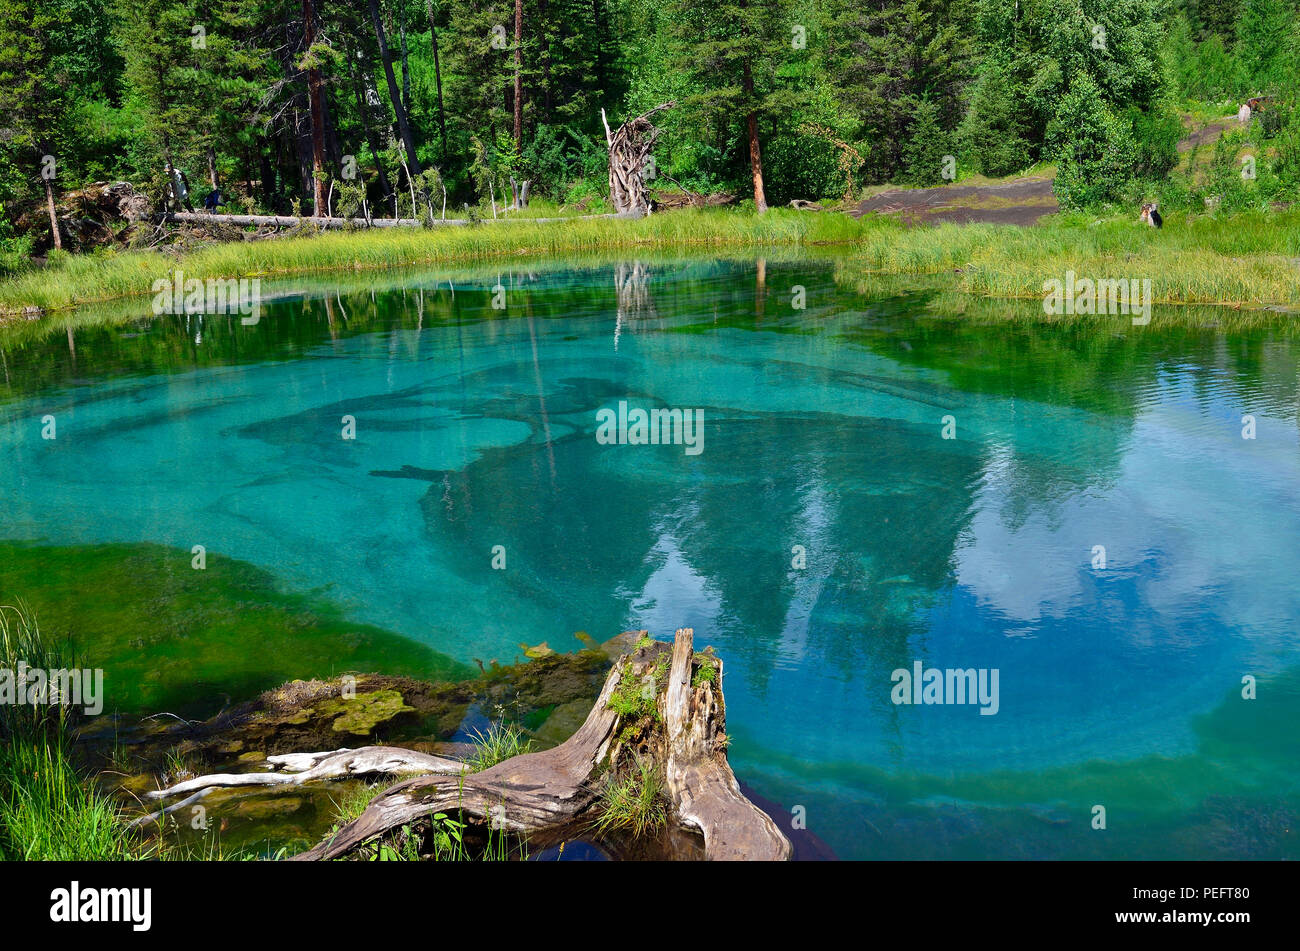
[{"x": 823, "y": 428}]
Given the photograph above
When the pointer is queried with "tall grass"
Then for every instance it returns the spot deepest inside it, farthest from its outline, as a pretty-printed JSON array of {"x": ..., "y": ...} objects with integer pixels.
[
  {"x": 85, "y": 279},
  {"x": 632, "y": 801},
  {"x": 21, "y": 641},
  {"x": 1250, "y": 259},
  {"x": 48, "y": 810}
]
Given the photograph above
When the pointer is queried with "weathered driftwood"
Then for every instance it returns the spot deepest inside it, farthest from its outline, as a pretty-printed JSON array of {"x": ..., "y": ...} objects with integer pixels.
[
  {"x": 174, "y": 807},
  {"x": 527, "y": 793},
  {"x": 540, "y": 793},
  {"x": 520, "y": 192},
  {"x": 302, "y": 768},
  {"x": 629, "y": 148},
  {"x": 700, "y": 782}
]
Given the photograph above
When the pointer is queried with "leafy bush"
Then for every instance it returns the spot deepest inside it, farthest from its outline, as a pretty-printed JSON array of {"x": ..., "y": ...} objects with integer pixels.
[
  {"x": 1094, "y": 148},
  {"x": 801, "y": 164},
  {"x": 1156, "y": 133},
  {"x": 15, "y": 254}
]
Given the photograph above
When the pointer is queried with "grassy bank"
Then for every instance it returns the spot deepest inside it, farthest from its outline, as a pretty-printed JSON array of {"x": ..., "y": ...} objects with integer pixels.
[
  {"x": 87, "y": 279},
  {"x": 1249, "y": 260},
  {"x": 48, "y": 810}
]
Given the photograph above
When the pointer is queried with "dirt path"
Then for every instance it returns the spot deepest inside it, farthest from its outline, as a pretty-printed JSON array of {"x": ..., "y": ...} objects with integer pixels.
[
  {"x": 1020, "y": 201},
  {"x": 1207, "y": 134}
]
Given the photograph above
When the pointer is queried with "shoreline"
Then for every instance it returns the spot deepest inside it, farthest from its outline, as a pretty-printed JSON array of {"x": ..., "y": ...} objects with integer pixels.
[{"x": 1249, "y": 261}]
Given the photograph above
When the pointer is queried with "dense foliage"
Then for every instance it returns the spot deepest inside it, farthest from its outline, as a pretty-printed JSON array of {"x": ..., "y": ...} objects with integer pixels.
[{"x": 391, "y": 100}]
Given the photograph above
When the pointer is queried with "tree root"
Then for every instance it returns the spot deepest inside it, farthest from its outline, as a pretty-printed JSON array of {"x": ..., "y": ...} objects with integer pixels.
[{"x": 657, "y": 702}]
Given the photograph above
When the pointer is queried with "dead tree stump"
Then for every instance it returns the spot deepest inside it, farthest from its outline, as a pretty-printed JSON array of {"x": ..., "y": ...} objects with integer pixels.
[
  {"x": 629, "y": 148},
  {"x": 659, "y": 704}
]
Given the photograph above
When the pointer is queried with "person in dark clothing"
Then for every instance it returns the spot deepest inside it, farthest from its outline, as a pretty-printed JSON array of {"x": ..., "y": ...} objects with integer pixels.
[{"x": 212, "y": 201}]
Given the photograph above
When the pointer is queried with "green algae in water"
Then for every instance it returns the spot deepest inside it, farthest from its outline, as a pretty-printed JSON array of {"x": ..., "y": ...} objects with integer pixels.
[
  {"x": 364, "y": 712},
  {"x": 173, "y": 638}
]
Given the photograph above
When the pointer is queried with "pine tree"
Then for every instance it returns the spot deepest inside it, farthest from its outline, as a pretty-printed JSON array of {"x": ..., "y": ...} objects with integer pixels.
[
  {"x": 159, "y": 45},
  {"x": 996, "y": 133},
  {"x": 32, "y": 95},
  {"x": 1266, "y": 42},
  {"x": 928, "y": 146},
  {"x": 888, "y": 59},
  {"x": 730, "y": 51}
]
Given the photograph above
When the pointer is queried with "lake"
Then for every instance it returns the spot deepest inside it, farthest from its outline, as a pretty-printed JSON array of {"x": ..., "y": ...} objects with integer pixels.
[{"x": 394, "y": 473}]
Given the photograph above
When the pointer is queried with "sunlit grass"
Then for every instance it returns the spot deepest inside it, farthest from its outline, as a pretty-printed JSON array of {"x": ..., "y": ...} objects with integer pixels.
[
  {"x": 1250, "y": 260},
  {"x": 632, "y": 801},
  {"x": 84, "y": 279},
  {"x": 501, "y": 742},
  {"x": 48, "y": 810}
]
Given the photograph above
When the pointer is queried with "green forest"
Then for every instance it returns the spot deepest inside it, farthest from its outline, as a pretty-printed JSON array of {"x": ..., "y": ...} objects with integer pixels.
[{"x": 289, "y": 107}]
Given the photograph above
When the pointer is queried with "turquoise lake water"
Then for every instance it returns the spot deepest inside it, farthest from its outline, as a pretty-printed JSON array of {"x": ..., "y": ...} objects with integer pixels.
[{"x": 824, "y": 428}]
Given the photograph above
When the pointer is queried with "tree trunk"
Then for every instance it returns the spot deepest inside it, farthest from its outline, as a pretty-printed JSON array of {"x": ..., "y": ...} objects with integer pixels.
[
  {"x": 519, "y": 77},
  {"x": 302, "y": 143},
  {"x": 212, "y": 167},
  {"x": 437, "y": 77},
  {"x": 755, "y": 153},
  {"x": 403, "y": 127},
  {"x": 363, "y": 110},
  {"x": 317, "y": 114},
  {"x": 548, "y": 105},
  {"x": 268, "y": 182},
  {"x": 54, "y": 218},
  {"x": 406, "y": 66}
]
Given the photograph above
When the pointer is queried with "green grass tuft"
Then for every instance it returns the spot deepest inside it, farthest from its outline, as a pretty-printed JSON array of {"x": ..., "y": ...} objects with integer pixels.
[
  {"x": 632, "y": 801},
  {"x": 501, "y": 742},
  {"x": 48, "y": 811}
]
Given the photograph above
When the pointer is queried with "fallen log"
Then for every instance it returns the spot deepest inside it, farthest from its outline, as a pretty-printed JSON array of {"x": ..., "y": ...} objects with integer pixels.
[
  {"x": 292, "y": 221},
  {"x": 658, "y": 704},
  {"x": 302, "y": 768}
]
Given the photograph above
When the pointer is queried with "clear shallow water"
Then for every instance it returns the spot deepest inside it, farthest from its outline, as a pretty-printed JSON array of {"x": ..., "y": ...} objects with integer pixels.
[{"x": 823, "y": 429}]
